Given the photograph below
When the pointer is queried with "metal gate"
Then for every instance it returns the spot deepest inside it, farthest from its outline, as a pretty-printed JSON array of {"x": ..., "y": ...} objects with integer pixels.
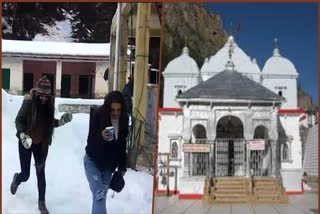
[
  {"x": 229, "y": 157},
  {"x": 261, "y": 161}
]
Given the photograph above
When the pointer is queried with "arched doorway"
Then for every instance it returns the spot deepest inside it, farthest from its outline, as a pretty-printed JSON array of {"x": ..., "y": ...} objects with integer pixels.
[
  {"x": 229, "y": 147},
  {"x": 200, "y": 161},
  {"x": 260, "y": 160}
]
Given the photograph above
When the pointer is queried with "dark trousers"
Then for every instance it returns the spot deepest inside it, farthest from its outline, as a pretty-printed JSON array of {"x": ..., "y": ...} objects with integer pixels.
[{"x": 40, "y": 156}]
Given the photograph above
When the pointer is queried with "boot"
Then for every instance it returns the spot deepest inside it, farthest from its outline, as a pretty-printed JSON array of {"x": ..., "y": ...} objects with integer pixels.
[
  {"x": 14, "y": 185},
  {"x": 42, "y": 207}
]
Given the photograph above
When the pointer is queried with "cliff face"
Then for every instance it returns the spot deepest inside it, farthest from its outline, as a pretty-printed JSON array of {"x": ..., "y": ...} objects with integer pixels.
[
  {"x": 194, "y": 25},
  {"x": 305, "y": 101}
]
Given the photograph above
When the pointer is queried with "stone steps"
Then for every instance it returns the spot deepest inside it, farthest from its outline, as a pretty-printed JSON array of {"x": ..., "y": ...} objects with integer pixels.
[
  {"x": 268, "y": 190},
  {"x": 238, "y": 190}
]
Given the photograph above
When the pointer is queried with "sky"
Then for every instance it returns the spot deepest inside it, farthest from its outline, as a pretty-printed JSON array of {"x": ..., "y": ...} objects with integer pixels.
[{"x": 295, "y": 25}]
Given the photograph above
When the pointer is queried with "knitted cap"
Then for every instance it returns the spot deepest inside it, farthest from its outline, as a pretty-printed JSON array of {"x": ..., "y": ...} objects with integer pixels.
[{"x": 43, "y": 86}]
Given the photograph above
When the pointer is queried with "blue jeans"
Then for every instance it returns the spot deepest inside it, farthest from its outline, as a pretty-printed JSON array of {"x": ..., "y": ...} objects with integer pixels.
[{"x": 99, "y": 184}]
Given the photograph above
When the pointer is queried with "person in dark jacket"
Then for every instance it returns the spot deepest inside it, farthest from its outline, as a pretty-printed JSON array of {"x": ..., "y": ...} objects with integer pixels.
[
  {"x": 106, "y": 150},
  {"x": 35, "y": 123}
]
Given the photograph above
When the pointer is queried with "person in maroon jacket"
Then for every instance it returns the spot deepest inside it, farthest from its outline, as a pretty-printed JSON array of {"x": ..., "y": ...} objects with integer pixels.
[
  {"x": 106, "y": 150},
  {"x": 35, "y": 123}
]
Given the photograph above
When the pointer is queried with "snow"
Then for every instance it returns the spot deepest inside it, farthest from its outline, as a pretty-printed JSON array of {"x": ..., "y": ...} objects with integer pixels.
[
  {"x": 67, "y": 188},
  {"x": 78, "y": 101},
  {"x": 60, "y": 32},
  {"x": 5, "y": 24},
  {"x": 56, "y": 48}
]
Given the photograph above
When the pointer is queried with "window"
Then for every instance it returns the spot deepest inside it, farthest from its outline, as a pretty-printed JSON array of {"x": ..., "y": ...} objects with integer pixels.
[
  {"x": 6, "y": 78},
  {"x": 280, "y": 93},
  {"x": 179, "y": 92},
  {"x": 285, "y": 152},
  {"x": 27, "y": 82},
  {"x": 84, "y": 86}
]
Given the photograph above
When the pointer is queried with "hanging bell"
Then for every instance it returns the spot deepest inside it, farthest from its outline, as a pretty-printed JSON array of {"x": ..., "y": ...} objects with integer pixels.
[{"x": 164, "y": 180}]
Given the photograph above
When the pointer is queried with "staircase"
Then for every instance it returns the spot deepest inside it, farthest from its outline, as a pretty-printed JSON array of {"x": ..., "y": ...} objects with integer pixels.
[
  {"x": 243, "y": 190},
  {"x": 227, "y": 190},
  {"x": 267, "y": 189}
]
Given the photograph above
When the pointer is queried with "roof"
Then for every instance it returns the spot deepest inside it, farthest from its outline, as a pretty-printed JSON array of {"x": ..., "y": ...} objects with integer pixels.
[
  {"x": 242, "y": 61},
  {"x": 230, "y": 84},
  {"x": 277, "y": 64},
  {"x": 32, "y": 48},
  {"x": 183, "y": 64}
]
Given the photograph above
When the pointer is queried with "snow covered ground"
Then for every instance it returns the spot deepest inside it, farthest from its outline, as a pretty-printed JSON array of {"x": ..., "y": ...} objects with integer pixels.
[{"x": 67, "y": 188}]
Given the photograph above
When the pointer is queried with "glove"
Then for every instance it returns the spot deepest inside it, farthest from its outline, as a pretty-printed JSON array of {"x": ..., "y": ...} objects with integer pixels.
[
  {"x": 25, "y": 140},
  {"x": 65, "y": 118}
]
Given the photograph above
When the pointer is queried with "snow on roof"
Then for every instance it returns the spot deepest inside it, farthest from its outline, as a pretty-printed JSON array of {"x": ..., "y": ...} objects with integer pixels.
[{"x": 56, "y": 48}]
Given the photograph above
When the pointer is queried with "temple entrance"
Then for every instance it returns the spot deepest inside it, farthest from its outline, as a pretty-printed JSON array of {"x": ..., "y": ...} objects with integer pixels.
[
  {"x": 260, "y": 160},
  {"x": 229, "y": 147}
]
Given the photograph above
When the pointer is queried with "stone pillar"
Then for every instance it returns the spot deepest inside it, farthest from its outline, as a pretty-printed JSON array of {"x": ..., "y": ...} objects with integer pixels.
[
  {"x": 274, "y": 157},
  {"x": 58, "y": 78},
  {"x": 248, "y": 156},
  {"x": 186, "y": 165}
]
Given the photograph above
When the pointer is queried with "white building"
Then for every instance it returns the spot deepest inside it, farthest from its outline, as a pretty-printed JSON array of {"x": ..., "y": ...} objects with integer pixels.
[{"x": 212, "y": 119}]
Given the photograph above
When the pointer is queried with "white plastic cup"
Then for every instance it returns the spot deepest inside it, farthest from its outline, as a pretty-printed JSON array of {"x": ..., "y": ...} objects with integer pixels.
[{"x": 110, "y": 129}]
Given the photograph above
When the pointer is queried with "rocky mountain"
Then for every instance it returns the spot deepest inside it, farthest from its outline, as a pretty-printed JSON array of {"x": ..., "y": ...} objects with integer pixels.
[
  {"x": 305, "y": 101},
  {"x": 194, "y": 25}
]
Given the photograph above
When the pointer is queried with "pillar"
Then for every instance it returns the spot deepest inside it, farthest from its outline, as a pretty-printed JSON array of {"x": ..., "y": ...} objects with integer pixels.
[{"x": 58, "y": 78}]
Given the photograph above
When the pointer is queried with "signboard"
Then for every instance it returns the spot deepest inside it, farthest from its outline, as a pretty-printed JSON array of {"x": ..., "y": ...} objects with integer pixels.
[
  {"x": 192, "y": 147},
  {"x": 257, "y": 144}
]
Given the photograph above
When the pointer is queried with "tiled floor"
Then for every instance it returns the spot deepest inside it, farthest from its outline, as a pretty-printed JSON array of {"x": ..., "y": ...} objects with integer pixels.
[{"x": 298, "y": 204}]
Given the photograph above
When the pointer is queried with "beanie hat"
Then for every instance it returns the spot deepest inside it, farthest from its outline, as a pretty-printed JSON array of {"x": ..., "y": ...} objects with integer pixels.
[
  {"x": 43, "y": 86},
  {"x": 117, "y": 182}
]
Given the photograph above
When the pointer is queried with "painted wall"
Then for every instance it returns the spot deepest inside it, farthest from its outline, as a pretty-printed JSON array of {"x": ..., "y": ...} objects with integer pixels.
[
  {"x": 37, "y": 68},
  {"x": 276, "y": 83},
  {"x": 75, "y": 69},
  {"x": 292, "y": 171},
  {"x": 170, "y": 126},
  {"x": 290, "y": 124},
  {"x": 175, "y": 82},
  {"x": 16, "y": 73}
]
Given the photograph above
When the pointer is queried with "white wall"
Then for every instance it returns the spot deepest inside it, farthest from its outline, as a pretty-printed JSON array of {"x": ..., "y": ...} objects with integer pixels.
[
  {"x": 290, "y": 124},
  {"x": 16, "y": 73},
  {"x": 101, "y": 86},
  {"x": 292, "y": 171},
  {"x": 290, "y": 93},
  {"x": 192, "y": 185},
  {"x": 170, "y": 126},
  {"x": 291, "y": 179},
  {"x": 172, "y": 85}
]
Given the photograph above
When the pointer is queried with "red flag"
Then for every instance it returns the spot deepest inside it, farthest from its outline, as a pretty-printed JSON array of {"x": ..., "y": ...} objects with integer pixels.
[{"x": 238, "y": 27}]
